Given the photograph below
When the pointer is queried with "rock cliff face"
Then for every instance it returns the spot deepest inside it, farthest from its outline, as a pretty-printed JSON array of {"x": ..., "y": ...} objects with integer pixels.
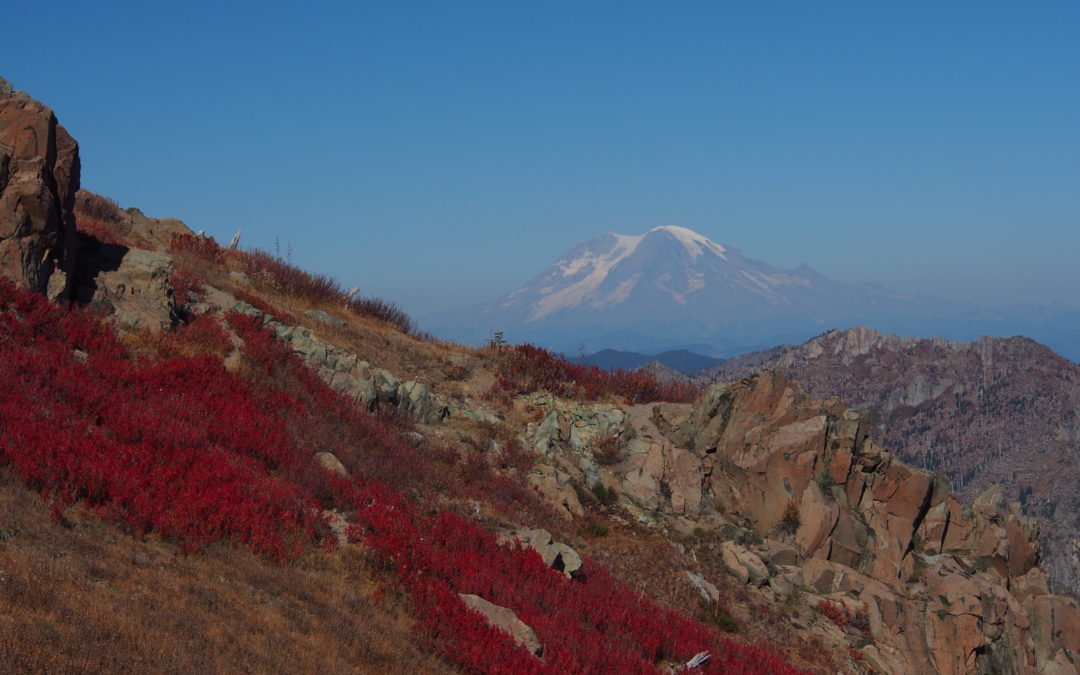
[
  {"x": 40, "y": 243},
  {"x": 39, "y": 174},
  {"x": 993, "y": 411},
  {"x": 797, "y": 498}
]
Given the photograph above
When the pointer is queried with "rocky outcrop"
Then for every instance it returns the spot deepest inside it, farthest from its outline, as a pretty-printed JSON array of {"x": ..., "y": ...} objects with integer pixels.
[
  {"x": 131, "y": 285},
  {"x": 39, "y": 244},
  {"x": 555, "y": 555},
  {"x": 800, "y": 497},
  {"x": 994, "y": 411},
  {"x": 505, "y": 620},
  {"x": 345, "y": 371},
  {"x": 39, "y": 175}
]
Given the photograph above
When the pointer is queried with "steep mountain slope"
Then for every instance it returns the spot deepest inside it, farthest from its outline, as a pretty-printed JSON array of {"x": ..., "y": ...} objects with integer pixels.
[
  {"x": 273, "y": 455},
  {"x": 995, "y": 411},
  {"x": 223, "y": 400},
  {"x": 673, "y": 287}
]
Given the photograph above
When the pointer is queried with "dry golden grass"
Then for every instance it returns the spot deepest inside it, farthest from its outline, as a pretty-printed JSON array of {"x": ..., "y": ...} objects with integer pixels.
[{"x": 83, "y": 597}]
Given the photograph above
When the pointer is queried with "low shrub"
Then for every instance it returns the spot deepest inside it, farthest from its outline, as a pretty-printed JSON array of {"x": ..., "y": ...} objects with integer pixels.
[
  {"x": 383, "y": 310},
  {"x": 719, "y": 615},
  {"x": 96, "y": 207},
  {"x": 791, "y": 519},
  {"x": 269, "y": 273},
  {"x": 605, "y": 496},
  {"x": 525, "y": 368},
  {"x": 607, "y": 450},
  {"x": 834, "y": 611}
]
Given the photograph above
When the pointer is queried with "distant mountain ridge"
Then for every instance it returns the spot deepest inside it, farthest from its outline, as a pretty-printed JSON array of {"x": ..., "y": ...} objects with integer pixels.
[
  {"x": 671, "y": 287},
  {"x": 995, "y": 410}
]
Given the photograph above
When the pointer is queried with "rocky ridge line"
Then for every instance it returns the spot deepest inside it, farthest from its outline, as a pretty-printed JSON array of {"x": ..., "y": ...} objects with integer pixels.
[
  {"x": 994, "y": 411},
  {"x": 941, "y": 588}
]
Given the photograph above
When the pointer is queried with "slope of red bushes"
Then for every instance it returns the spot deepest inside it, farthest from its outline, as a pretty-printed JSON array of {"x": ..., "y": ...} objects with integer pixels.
[{"x": 184, "y": 447}]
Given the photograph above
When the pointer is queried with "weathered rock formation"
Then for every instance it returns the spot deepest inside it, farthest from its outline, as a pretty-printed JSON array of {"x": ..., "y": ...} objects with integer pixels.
[
  {"x": 39, "y": 174},
  {"x": 131, "y": 285},
  {"x": 555, "y": 555},
  {"x": 366, "y": 383},
  {"x": 40, "y": 246},
  {"x": 993, "y": 411},
  {"x": 798, "y": 496}
]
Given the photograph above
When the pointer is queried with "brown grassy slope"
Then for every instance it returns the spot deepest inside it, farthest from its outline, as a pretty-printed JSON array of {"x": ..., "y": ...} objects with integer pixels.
[{"x": 83, "y": 597}]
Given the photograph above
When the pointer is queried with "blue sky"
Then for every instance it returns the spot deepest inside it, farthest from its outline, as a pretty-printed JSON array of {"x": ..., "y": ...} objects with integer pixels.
[{"x": 440, "y": 154}]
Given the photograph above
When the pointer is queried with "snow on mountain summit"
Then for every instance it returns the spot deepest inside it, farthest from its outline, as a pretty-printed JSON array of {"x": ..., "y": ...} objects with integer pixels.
[
  {"x": 674, "y": 286},
  {"x": 695, "y": 243},
  {"x": 610, "y": 270}
]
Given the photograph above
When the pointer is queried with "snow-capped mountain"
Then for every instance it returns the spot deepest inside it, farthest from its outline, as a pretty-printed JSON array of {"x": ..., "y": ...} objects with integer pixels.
[{"x": 672, "y": 287}]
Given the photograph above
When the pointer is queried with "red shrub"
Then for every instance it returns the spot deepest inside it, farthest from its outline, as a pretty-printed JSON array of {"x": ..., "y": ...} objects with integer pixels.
[
  {"x": 526, "y": 368},
  {"x": 835, "y": 611},
  {"x": 185, "y": 287},
  {"x": 383, "y": 310},
  {"x": 177, "y": 446},
  {"x": 104, "y": 232},
  {"x": 269, "y": 272},
  {"x": 201, "y": 247},
  {"x": 97, "y": 207}
]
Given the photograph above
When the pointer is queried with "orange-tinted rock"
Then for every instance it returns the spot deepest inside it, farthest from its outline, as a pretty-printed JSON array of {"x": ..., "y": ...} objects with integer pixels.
[
  {"x": 818, "y": 515},
  {"x": 848, "y": 541},
  {"x": 1055, "y": 626},
  {"x": 840, "y": 465},
  {"x": 39, "y": 175}
]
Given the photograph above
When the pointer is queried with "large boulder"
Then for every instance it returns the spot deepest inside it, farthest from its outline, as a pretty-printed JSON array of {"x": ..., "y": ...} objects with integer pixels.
[
  {"x": 505, "y": 620},
  {"x": 555, "y": 555},
  {"x": 130, "y": 284},
  {"x": 39, "y": 175}
]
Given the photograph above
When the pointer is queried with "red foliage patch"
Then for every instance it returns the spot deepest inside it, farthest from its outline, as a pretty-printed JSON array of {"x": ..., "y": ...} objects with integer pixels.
[
  {"x": 176, "y": 446},
  {"x": 835, "y": 611}
]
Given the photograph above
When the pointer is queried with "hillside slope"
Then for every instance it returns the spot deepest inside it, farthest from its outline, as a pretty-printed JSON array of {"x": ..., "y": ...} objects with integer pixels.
[{"x": 273, "y": 454}]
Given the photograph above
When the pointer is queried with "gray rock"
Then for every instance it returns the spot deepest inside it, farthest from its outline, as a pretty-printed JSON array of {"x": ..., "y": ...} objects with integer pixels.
[
  {"x": 555, "y": 555},
  {"x": 130, "y": 283},
  {"x": 571, "y": 561},
  {"x": 505, "y": 620},
  {"x": 709, "y": 592},
  {"x": 331, "y": 463},
  {"x": 322, "y": 317}
]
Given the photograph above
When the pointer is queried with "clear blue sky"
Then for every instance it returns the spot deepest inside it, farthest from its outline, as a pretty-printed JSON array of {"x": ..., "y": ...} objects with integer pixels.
[{"x": 442, "y": 153}]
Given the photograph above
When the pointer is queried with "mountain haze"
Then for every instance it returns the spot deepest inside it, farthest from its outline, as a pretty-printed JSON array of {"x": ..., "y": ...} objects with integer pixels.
[{"x": 674, "y": 288}]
